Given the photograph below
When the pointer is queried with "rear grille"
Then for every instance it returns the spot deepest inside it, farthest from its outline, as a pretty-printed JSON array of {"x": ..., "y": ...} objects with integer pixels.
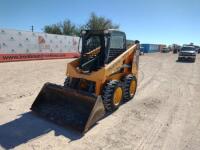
[{"x": 114, "y": 53}]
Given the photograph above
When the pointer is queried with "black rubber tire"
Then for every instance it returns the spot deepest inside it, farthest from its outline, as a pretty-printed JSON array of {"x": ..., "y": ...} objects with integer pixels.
[
  {"x": 127, "y": 82},
  {"x": 67, "y": 82},
  {"x": 108, "y": 93}
]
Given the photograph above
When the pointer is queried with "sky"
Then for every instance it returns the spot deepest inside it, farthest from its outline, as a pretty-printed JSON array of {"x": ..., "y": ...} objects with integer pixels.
[{"x": 150, "y": 21}]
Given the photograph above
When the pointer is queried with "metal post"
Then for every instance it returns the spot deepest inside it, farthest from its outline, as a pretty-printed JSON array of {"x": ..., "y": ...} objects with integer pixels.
[{"x": 32, "y": 28}]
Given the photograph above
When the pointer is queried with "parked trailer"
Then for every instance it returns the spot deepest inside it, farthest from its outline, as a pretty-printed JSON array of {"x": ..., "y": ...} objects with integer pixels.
[{"x": 161, "y": 46}]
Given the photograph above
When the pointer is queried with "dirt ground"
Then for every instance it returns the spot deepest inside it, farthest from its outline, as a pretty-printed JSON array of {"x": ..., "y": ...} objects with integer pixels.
[{"x": 164, "y": 114}]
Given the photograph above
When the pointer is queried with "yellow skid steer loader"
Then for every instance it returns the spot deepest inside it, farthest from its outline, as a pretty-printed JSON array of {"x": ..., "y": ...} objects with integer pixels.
[{"x": 99, "y": 81}]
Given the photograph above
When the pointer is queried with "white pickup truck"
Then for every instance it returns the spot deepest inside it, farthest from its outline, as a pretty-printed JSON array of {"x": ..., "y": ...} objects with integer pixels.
[{"x": 187, "y": 53}]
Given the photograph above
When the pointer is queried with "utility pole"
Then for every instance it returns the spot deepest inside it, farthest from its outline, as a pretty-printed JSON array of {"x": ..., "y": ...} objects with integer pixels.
[{"x": 32, "y": 28}]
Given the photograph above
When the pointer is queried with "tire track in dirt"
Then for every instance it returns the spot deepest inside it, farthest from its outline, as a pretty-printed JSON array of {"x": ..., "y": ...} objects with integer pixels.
[
  {"x": 148, "y": 81},
  {"x": 162, "y": 124},
  {"x": 163, "y": 115}
]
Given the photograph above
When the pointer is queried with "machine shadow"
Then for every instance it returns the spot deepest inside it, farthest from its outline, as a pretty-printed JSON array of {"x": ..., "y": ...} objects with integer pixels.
[{"x": 29, "y": 127}]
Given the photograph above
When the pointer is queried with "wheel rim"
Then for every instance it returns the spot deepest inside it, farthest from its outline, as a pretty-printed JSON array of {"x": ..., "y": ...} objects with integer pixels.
[
  {"x": 117, "y": 96},
  {"x": 132, "y": 88}
]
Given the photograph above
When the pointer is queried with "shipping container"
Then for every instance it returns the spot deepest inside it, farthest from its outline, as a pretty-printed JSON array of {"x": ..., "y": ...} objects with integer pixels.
[{"x": 150, "y": 48}]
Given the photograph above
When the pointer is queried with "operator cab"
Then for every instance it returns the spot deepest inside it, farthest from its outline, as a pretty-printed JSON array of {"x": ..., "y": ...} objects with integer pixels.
[{"x": 100, "y": 47}]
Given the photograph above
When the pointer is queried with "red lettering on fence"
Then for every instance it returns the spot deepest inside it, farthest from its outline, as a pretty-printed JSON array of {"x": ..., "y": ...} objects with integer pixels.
[{"x": 36, "y": 56}]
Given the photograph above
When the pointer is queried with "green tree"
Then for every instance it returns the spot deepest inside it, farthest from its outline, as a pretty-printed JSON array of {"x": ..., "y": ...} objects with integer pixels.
[
  {"x": 68, "y": 28},
  {"x": 100, "y": 23},
  {"x": 65, "y": 28},
  {"x": 53, "y": 29}
]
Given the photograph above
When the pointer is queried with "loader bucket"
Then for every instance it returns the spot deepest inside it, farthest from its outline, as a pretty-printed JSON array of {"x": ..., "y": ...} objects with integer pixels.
[{"x": 68, "y": 107}]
